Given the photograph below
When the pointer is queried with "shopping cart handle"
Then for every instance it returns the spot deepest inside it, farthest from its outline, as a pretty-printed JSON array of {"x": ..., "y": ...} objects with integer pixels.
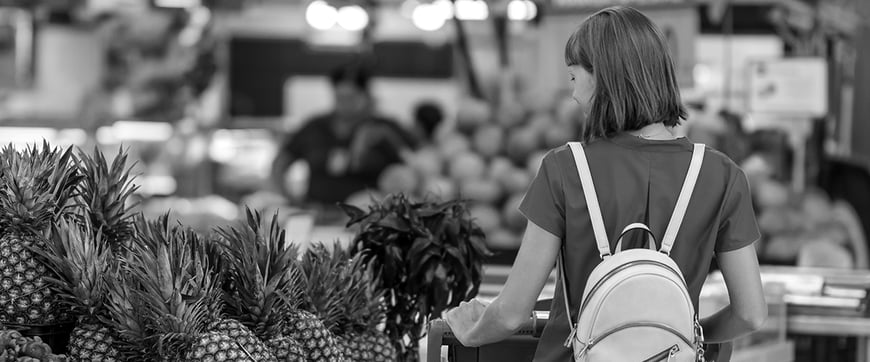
[{"x": 437, "y": 329}]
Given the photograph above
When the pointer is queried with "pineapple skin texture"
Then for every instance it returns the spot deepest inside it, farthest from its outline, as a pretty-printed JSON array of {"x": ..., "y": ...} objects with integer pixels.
[
  {"x": 245, "y": 339},
  {"x": 218, "y": 347},
  {"x": 92, "y": 342},
  {"x": 317, "y": 341},
  {"x": 25, "y": 296},
  {"x": 367, "y": 347},
  {"x": 287, "y": 349}
]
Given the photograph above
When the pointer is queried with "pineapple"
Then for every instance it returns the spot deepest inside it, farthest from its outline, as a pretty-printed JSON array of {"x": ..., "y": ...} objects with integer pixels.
[
  {"x": 166, "y": 303},
  {"x": 104, "y": 191},
  {"x": 341, "y": 290},
  {"x": 286, "y": 349},
  {"x": 82, "y": 256},
  {"x": 79, "y": 262},
  {"x": 318, "y": 342},
  {"x": 265, "y": 282},
  {"x": 37, "y": 185},
  {"x": 245, "y": 337}
]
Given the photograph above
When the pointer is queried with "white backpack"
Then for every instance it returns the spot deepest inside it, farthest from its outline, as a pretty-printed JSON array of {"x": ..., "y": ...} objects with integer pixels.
[{"x": 636, "y": 306}]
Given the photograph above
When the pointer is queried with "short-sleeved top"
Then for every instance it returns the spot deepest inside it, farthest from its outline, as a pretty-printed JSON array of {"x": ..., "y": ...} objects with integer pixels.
[
  {"x": 637, "y": 180},
  {"x": 317, "y": 141}
]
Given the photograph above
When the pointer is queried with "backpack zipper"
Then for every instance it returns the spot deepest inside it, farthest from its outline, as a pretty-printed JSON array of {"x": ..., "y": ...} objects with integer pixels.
[
  {"x": 594, "y": 341},
  {"x": 666, "y": 355}
]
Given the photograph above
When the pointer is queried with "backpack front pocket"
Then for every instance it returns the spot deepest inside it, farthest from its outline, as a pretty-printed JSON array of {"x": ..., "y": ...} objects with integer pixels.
[{"x": 640, "y": 341}]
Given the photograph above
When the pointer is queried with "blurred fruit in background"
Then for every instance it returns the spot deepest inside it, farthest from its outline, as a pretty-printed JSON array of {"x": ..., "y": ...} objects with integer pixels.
[
  {"x": 481, "y": 190},
  {"x": 516, "y": 180},
  {"x": 453, "y": 144},
  {"x": 471, "y": 114},
  {"x": 513, "y": 218},
  {"x": 487, "y": 217},
  {"x": 770, "y": 193},
  {"x": 427, "y": 161},
  {"x": 511, "y": 115},
  {"x": 467, "y": 166},
  {"x": 499, "y": 167},
  {"x": 522, "y": 142},
  {"x": 490, "y": 157},
  {"x": 399, "y": 178},
  {"x": 439, "y": 186},
  {"x": 489, "y": 140}
]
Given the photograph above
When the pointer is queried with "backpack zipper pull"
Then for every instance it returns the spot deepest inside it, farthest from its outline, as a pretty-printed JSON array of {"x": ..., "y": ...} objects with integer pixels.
[
  {"x": 570, "y": 338},
  {"x": 673, "y": 352},
  {"x": 667, "y": 355}
]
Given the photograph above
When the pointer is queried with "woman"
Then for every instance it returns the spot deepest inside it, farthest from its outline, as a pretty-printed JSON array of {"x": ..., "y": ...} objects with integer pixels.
[{"x": 624, "y": 79}]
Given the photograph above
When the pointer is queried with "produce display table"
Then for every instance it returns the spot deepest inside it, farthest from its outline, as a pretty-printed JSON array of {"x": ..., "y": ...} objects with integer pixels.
[{"x": 838, "y": 307}]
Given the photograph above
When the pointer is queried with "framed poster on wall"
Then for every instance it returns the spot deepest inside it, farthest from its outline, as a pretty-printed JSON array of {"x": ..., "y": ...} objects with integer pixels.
[{"x": 789, "y": 86}]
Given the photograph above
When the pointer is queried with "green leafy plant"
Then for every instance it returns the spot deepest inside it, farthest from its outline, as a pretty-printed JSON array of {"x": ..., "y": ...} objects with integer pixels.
[{"x": 429, "y": 256}]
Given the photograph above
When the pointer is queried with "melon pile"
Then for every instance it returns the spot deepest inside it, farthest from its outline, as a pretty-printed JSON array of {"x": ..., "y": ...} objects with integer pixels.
[
  {"x": 489, "y": 157},
  {"x": 797, "y": 227}
]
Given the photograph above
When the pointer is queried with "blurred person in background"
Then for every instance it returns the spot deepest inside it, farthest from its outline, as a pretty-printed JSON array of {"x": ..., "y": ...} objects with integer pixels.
[{"x": 346, "y": 149}]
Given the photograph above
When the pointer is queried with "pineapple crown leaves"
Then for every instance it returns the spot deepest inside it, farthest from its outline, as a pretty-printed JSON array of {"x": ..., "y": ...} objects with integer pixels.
[
  {"x": 173, "y": 285},
  {"x": 341, "y": 289},
  {"x": 125, "y": 315},
  {"x": 105, "y": 190},
  {"x": 79, "y": 263},
  {"x": 152, "y": 234},
  {"x": 37, "y": 186},
  {"x": 266, "y": 283}
]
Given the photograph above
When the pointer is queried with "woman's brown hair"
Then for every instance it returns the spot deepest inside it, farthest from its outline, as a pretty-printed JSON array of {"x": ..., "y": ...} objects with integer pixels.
[{"x": 635, "y": 80}]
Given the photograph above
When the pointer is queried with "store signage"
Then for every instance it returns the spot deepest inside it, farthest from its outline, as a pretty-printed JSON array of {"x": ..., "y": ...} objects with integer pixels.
[
  {"x": 589, "y": 4},
  {"x": 790, "y": 86}
]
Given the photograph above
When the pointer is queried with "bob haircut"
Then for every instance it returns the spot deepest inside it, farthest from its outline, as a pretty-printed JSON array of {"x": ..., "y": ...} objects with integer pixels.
[{"x": 635, "y": 81}]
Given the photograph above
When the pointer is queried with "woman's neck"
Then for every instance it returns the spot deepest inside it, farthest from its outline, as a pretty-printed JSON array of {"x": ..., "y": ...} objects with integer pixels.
[{"x": 655, "y": 131}]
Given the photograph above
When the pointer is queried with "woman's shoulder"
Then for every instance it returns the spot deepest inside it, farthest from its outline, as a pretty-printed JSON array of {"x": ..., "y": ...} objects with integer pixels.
[
  {"x": 564, "y": 155},
  {"x": 558, "y": 155},
  {"x": 720, "y": 162}
]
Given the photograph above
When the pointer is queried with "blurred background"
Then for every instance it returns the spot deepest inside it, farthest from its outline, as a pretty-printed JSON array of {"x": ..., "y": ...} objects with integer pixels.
[{"x": 297, "y": 105}]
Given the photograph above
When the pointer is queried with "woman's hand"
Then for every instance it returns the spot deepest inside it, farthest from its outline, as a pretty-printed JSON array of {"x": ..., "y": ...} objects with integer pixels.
[
  {"x": 463, "y": 318},
  {"x": 475, "y": 323}
]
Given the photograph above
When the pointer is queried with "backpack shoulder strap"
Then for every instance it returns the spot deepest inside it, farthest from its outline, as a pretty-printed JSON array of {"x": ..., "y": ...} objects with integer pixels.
[
  {"x": 683, "y": 200},
  {"x": 598, "y": 229},
  {"x": 591, "y": 199}
]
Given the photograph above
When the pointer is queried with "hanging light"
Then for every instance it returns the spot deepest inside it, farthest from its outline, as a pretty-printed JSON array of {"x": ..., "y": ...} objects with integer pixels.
[
  {"x": 425, "y": 19},
  {"x": 321, "y": 15},
  {"x": 520, "y": 10},
  {"x": 444, "y": 8},
  {"x": 353, "y": 18},
  {"x": 471, "y": 10},
  {"x": 180, "y": 4}
]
